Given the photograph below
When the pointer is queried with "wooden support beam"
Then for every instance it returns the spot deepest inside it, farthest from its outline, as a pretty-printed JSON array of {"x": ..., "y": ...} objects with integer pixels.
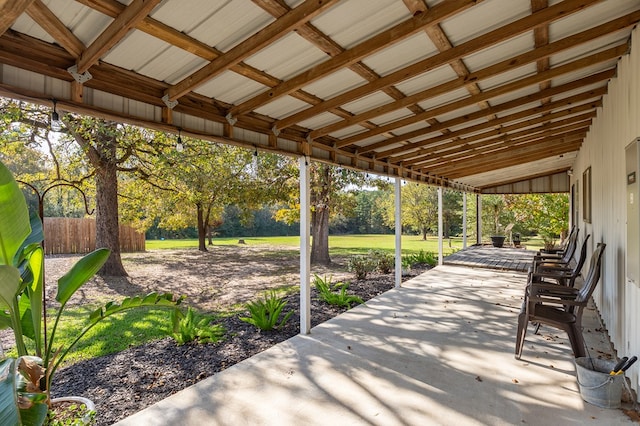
[
  {"x": 570, "y": 101},
  {"x": 486, "y": 73},
  {"x": 368, "y": 47},
  {"x": 49, "y": 22},
  {"x": 128, "y": 19},
  {"x": 10, "y": 10},
  {"x": 435, "y": 149},
  {"x": 498, "y": 91},
  {"x": 491, "y": 38},
  {"x": 272, "y": 32}
]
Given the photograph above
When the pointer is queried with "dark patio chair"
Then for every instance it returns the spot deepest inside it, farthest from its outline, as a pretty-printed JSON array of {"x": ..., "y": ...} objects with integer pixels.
[
  {"x": 560, "y": 273},
  {"x": 563, "y": 257},
  {"x": 560, "y": 307},
  {"x": 562, "y": 248}
]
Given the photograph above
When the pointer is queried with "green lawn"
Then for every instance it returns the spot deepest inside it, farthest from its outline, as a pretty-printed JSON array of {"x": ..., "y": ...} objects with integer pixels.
[
  {"x": 338, "y": 244},
  {"x": 138, "y": 326}
]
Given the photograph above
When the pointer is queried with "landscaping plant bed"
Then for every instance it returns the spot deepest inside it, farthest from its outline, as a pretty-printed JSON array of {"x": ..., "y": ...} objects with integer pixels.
[{"x": 124, "y": 383}]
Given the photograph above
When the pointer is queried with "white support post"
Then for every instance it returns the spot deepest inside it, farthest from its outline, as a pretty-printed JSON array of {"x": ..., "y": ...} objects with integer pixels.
[
  {"x": 479, "y": 218},
  {"x": 305, "y": 247},
  {"x": 440, "y": 226},
  {"x": 398, "y": 220},
  {"x": 464, "y": 220}
]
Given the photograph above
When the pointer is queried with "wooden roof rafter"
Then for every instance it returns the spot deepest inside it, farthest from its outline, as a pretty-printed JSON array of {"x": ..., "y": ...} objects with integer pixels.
[{"x": 433, "y": 95}]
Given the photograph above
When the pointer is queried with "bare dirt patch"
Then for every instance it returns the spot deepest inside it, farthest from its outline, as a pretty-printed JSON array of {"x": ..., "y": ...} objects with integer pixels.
[{"x": 222, "y": 279}]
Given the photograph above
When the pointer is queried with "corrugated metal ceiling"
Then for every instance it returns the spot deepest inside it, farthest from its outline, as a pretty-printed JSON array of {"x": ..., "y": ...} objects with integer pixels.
[{"x": 430, "y": 91}]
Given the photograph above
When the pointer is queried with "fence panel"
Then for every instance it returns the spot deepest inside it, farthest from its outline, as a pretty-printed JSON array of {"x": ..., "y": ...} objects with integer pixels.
[{"x": 65, "y": 235}]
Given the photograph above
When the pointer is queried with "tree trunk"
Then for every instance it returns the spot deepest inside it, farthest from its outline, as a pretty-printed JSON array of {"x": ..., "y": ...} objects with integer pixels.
[
  {"x": 424, "y": 234},
  {"x": 107, "y": 227},
  {"x": 320, "y": 199},
  {"x": 320, "y": 236},
  {"x": 202, "y": 229}
]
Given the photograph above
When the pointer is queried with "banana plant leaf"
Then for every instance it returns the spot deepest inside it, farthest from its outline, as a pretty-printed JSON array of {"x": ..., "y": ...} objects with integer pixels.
[
  {"x": 14, "y": 226},
  {"x": 9, "y": 413},
  {"x": 80, "y": 273}
]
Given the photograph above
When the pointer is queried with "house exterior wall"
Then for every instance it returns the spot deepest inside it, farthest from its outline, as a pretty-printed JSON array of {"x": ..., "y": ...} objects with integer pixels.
[{"x": 616, "y": 126}]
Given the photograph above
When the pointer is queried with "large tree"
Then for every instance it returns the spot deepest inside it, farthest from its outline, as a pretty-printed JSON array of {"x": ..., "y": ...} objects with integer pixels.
[
  {"x": 547, "y": 214},
  {"x": 87, "y": 153},
  {"x": 420, "y": 209},
  {"x": 107, "y": 146},
  {"x": 192, "y": 186},
  {"x": 330, "y": 192}
]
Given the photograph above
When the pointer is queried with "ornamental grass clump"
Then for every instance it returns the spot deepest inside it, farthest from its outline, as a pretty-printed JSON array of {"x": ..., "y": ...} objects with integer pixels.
[
  {"x": 194, "y": 327},
  {"x": 335, "y": 294},
  {"x": 422, "y": 258},
  {"x": 265, "y": 313}
]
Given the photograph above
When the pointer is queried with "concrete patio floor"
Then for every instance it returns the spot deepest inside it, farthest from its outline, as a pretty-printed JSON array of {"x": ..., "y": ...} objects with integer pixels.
[{"x": 437, "y": 351}]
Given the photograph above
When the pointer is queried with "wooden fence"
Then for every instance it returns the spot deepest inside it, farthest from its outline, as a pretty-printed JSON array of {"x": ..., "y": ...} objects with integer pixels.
[{"x": 64, "y": 235}]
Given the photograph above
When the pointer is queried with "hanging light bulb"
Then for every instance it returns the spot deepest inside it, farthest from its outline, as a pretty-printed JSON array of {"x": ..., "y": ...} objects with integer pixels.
[
  {"x": 56, "y": 124},
  {"x": 179, "y": 145}
]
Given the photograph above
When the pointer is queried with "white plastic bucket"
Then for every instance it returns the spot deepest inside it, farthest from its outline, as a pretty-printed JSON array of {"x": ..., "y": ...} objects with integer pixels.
[{"x": 597, "y": 386}]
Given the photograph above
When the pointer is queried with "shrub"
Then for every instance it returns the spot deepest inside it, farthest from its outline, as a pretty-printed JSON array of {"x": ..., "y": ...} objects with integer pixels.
[
  {"x": 340, "y": 298},
  {"x": 194, "y": 327},
  {"x": 383, "y": 261},
  {"x": 422, "y": 258},
  {"x": 266, "y": 312},
  {"x": 361, "y": 266}
]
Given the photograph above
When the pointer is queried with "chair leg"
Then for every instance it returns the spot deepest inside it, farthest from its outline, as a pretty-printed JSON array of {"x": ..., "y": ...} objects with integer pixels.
[
  {"x": 521, "y": 332},
  {"x": 577, "y": 341}
]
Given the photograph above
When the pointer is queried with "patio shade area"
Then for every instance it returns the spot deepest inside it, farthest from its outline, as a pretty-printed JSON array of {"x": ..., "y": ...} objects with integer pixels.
[
  {"x": 476, "y": 95},
  {"x": 439, "y": 350}
]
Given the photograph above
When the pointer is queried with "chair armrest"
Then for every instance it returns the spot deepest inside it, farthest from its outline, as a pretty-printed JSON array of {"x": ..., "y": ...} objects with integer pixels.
[
  {"x": 548, "y": 288},
  {"x": 553, "y": 274},
  {"x": 560, "y": 301}
]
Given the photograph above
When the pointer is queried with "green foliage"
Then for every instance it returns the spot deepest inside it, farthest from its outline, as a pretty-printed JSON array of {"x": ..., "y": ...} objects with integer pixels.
[
  {"x": 545, "y": 214},
  {"x": 335, "y": 294},
  {"x": 21, "y": 302},
  {"x": 195, "y": 327},
  {"x": 420, "y": 258},
  {"x": 265, "y": 312},
  {"x": 383, "y": 261},
  {"x": 420, "y": 210},
  {"x": 361, "y": 266},
  {"x": 74, "y": 414}
]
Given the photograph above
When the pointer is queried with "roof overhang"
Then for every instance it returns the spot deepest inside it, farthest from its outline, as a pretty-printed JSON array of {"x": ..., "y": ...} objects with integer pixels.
[{"x": 484, "y": 96}]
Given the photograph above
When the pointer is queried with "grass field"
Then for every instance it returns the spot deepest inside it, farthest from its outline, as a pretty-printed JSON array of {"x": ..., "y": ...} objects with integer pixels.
[
  {"x": 138, "y": 326},
  {"x": 338, "y": 244}
]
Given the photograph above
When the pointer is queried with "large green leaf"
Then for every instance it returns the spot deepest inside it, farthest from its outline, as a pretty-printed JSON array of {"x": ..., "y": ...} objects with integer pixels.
[
  {"x": 34, "y": 291},
  {"x": 9, "y": 414},
  {"x": 9, "y": 285},
  {"x": 14, "y": 217},
  {"x": 80, "y": 273}
]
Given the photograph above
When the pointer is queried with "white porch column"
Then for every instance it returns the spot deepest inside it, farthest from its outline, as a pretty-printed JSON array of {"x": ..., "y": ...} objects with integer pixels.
[
  {"x": 398, "y": 220},
  {"x": 305, "y": 247},
  {"x": 479, "y": 218},
  {"x": 464, "y": 220},
  {"x": 440, "y": 230}
]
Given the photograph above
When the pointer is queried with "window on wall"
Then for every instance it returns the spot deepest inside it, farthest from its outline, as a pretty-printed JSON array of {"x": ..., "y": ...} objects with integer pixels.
[{"x": 586, "y": 195}]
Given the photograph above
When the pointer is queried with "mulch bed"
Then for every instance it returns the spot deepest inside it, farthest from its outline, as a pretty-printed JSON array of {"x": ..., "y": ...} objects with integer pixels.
[{"x": 124, "y": 383}]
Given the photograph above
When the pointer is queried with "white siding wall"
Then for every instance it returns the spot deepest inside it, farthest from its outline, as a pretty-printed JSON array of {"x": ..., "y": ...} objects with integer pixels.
[{"x": 617, "y": 125}]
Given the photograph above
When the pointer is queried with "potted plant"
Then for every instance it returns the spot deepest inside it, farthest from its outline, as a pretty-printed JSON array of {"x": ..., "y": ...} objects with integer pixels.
[
  {"x": 497, "y": 239},
  {"x": 406, "y": 265},
  {"x": 26, "y": 381}
]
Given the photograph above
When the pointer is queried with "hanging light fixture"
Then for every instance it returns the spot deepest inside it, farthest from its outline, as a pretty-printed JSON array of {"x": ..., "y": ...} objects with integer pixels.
[
  {"x": 56, "y": 124},
  {"x": 179, "y": 145}
]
